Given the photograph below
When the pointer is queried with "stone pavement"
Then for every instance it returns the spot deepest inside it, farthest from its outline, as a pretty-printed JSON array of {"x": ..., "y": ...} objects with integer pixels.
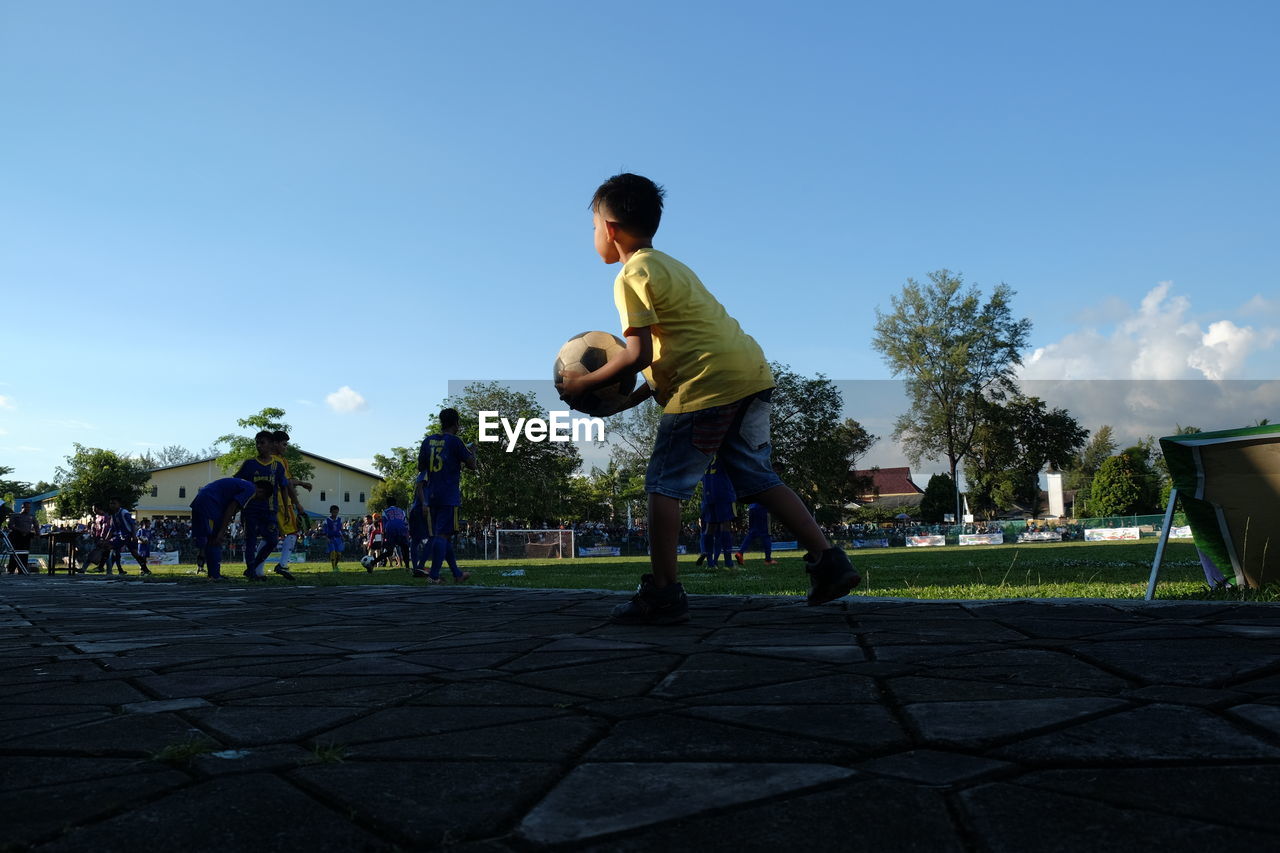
[{"x": 154, "y": 716}]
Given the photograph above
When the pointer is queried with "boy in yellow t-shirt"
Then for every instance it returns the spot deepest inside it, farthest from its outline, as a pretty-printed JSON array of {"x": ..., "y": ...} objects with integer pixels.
[{"x": 714, "y": 385}]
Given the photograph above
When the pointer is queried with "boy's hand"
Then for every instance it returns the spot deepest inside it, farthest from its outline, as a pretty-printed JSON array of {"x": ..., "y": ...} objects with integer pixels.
[{"x": 572, "y": 384}]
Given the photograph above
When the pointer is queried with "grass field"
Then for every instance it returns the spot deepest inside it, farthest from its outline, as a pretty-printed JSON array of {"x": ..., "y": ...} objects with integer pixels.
[{"x": 1042, "y": 570}]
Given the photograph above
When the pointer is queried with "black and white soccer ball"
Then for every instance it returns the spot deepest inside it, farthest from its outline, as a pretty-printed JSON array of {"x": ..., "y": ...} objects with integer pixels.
[
  {"x": 367, "y": 561},
  {"x": 587, "y": 352}
]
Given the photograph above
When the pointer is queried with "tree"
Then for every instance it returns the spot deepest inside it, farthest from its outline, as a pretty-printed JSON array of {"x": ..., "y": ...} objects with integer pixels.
[
  {"x": 953, "y": 352},
  {"x": 242, "y": 447},
  {"x": 813, "y": 449},
  {"x": 398, "y": 471},
  {"x": 396, "y": 492},
  {"x": 1149, "y": 470},
  {"x": 13, "y": 489},
  {"x": 936, "y": 502},
  {"x": 531, "y": 482},
  {"x": 174, "y": 454},
  {"x": 94, "y": 476},
  {"x": 1117, "y": 488},
  {"x": 1079, "y": 472},
  {"x": 1014, "y": 441}
]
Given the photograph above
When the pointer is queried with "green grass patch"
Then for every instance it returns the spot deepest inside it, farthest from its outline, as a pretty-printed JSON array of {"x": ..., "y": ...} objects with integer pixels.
[
  {"x": 183, "y": 752},
  {"x": 1040, "y": 570}
]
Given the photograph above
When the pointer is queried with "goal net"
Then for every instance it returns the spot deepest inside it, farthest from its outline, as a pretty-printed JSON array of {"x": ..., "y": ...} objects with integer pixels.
[{"x": 515, "y": 544}]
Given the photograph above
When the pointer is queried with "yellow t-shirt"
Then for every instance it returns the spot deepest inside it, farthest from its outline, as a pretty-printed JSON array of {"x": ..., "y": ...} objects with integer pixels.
[
  {"x": 286, "y": 515},
  {"x": 701, "y": 356}
]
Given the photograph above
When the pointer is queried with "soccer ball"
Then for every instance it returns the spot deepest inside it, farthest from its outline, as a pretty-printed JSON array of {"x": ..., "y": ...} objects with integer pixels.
[
  {"x": 585, "y": 353},
  {"x": 367, "y": 561}
]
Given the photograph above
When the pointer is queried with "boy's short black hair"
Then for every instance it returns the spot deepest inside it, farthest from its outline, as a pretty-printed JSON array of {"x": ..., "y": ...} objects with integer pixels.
[
  {"x": 279, "y": 435},
  {"x": 264, "y": 435},
  {"x": 448, "y": 418},
  {"x": 633, "y": 201},
  {"x": 332, "y": 508}
]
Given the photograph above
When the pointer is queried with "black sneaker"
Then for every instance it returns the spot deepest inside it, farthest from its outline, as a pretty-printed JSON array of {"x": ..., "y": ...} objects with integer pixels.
[
  {"x": 702, "y": 558},
  {"x": 248, "y": 573},
  {"x": 145, "y": 570},
  {"x": 420, "y": 573},
  {"x": 653, "y": 606},
  {"x": 283, "y": 572},
  {"x": 831, "y": 577}
]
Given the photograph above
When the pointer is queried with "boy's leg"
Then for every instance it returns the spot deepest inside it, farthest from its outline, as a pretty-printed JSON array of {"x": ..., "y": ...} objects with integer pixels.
[
  {"x": 140, "y": 557},
  {"x": 786, "y": 506},
  {"x": 767, "y": 541},
  {"x": 664, "y": 533}
]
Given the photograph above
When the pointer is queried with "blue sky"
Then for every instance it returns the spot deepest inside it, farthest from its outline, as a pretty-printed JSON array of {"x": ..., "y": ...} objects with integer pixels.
[{"x": 336, "y": 208}]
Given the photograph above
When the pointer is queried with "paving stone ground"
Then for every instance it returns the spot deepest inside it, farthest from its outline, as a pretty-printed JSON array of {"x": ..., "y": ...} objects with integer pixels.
[{"x": 151, "y": 716}]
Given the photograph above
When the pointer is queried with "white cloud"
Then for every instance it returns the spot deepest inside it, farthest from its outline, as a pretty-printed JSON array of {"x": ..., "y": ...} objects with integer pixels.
[
  {"x": 345, "y": 400},
  {"x": 6, "y": 402},
  {"x": 71, "y": 423},
  {"x": 1159, "y": 339},
  {"x": 302, "y": 402}
]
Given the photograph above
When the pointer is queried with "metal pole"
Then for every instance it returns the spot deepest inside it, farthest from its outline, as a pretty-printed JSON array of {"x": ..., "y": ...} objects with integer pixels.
[{"x": 1164, "y": 537}]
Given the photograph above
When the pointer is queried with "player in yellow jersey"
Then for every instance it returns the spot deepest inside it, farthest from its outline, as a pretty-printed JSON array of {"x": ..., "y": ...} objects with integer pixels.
[{"x": 290, "y": 514}]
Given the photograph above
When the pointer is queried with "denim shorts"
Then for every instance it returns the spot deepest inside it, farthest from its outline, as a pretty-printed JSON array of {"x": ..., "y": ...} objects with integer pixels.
[{"x": 736, "y": 434}]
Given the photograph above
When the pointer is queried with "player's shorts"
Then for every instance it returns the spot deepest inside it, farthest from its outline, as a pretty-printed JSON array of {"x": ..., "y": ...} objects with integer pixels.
[
  {"x": 202, "y": 522},
  {"x": 717, "y": 512},
  {"x": 335, "y": 544},
  {"x": 144, "y": 549},
  {"x": 442, "y": 520},
  {"x": 737, "y": 434},
  {"x": 394, "y": 539}
]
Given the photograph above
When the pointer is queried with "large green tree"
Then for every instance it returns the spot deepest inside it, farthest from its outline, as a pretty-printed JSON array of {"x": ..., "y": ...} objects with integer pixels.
[
  {"x": 241, "y": 447},
  {"x": 531, "y": 482},
  {"x": 1078, "y": 474},
  {"x": 94, "y": 476},
  {"x": 1117, "y": 488},
  {"x": 1014, "y": 441},
  {"x": 814, "y": 449},
  {"x": 937, "y": 498},
  {"x": 12, "y": 489},
  {"x": 953, "y": 351},
  {"x": 398, "y": 471}
]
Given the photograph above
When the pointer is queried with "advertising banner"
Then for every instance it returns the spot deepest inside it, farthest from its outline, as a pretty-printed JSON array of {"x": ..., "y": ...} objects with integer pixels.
[
  {"x": 926, "y": 541},
  {"x": 870, "y": 543},
  {"x": 157, "y": 558},
  {"x": 1183, "y": 532},
  {"x": 981, "y": 538},
  {"x": 785, "y": 546},
  {"x": 1111, "y": 534},
  {"x": 1039, "y": 536},
  {"x": 600, "y": 551}
]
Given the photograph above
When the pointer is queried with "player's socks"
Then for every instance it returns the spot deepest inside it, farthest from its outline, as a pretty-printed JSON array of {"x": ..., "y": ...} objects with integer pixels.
[
  {"x": 726, "y": 547},
  {"x": 286, "y": 549},
  {"x": 451, "y": 560},
  {"x": 439, "y": 545},
  {"x": 705, "y": 541}
]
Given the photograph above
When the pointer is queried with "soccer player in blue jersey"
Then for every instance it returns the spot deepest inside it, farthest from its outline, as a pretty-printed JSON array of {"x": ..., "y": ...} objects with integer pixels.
[
  {"x": 214, "y": 507},
  {"x": 395, "y": 530},
  {"x": 757, "y": 528},
  {"x": 332, "y": 528},
  {"x": 717, "y": 512},
  {"x": 144, "y": 538},
  {"x": 260, "y": 517},
  {"x": 440, "y": 459},
  {"x": 123, "y": 535}
]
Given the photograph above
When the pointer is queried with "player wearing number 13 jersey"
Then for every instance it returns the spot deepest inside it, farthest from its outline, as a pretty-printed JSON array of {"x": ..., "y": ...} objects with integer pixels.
[{"x": 440, "y": 459}]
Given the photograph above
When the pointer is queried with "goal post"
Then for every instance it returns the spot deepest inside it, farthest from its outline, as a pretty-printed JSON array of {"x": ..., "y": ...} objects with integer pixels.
[{"x": 541, "y": 544}]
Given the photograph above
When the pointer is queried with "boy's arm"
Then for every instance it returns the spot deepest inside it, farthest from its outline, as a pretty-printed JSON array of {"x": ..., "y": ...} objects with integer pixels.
[
  {"x": 637, "y": 356},
  {"x": 638, "y": 396}
]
